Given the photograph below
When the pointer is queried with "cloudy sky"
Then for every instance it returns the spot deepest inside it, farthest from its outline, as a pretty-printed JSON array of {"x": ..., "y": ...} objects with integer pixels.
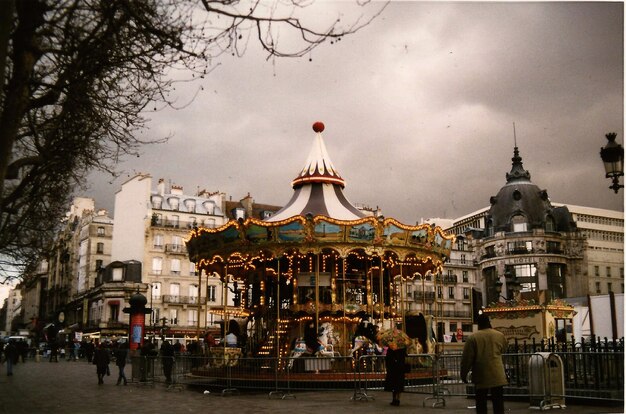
[{"x": 419, "y": 109}]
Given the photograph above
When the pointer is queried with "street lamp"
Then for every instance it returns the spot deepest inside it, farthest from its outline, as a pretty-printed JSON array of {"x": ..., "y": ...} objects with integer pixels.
[
  {"x": 513, "y": 287},
  {"x": 613, "y": 158}
]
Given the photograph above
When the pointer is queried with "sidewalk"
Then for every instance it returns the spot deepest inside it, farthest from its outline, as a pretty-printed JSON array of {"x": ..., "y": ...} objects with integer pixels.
[{"x": 71, "y": 387}]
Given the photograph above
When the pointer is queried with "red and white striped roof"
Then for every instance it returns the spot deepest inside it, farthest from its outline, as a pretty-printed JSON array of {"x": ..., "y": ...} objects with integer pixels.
[{"x": 318, "y": 188}]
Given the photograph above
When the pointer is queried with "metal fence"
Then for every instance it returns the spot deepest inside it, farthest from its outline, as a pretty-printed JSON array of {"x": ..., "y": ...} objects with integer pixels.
[{"x": 545, "y": 378}]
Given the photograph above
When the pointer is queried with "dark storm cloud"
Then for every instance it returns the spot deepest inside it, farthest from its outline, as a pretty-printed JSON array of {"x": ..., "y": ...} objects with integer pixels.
[{"x": 419, "y": 108}]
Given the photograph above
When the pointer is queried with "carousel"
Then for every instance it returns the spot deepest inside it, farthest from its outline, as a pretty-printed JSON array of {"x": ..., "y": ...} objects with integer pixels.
[{"x": 313, "y": 278}]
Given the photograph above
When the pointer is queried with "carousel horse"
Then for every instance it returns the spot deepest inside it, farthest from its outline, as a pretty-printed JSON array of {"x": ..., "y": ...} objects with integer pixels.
[
  {"x": 365, "y": 338},
  {"x": 314, "y": 344},
  {"x": 419, "y": 329}
]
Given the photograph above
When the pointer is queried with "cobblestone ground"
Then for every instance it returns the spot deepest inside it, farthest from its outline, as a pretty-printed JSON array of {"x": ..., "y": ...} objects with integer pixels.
[{"x": 72, "y": 387}]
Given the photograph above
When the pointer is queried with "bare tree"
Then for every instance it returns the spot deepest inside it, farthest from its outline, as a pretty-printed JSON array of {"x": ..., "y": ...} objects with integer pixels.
[{"x": 78, "y": 77}]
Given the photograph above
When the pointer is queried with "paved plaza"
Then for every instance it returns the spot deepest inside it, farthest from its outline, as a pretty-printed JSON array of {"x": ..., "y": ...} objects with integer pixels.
[{"x": 71, "y": 387}]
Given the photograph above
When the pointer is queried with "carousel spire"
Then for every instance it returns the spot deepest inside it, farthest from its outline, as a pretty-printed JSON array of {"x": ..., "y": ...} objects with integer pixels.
[
  {"x": 318, "y": 167},
  {"x": 318, "y": 188}
]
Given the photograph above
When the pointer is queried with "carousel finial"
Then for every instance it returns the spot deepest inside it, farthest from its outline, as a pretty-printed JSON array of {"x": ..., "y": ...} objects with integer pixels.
[{"x": 318, "y": 126}]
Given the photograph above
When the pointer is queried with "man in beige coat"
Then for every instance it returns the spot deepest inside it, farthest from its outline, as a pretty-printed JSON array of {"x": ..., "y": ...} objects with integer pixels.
[{"x": 482, "y": 355}]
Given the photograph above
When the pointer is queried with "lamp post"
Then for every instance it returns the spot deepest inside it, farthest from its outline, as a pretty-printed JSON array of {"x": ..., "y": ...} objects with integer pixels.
[
  {"x": 613, "y": 158},
  {"x": 513, "y": 287}
]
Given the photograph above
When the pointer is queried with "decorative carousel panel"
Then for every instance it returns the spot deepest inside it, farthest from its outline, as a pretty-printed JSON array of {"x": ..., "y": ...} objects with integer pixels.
[
  {"x": 438, "y": 239},
  {"x": 291, "y": 232},
  {"x": 327, "y": 231},
  {"x": 258, "y": 234},
  {"x": 230, "y": 235},
  {"x": 418, "y": 237},
  {"x": 395, "y": 235},
  {"x": 365, "y": 232}
]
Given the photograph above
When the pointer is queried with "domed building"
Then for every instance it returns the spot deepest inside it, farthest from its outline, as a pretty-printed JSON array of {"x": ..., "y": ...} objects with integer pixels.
[{"x": 530, "y": 253}]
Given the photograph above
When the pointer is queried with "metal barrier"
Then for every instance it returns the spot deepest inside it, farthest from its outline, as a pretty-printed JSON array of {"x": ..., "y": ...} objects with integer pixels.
[{"x": 434, "y": 376}]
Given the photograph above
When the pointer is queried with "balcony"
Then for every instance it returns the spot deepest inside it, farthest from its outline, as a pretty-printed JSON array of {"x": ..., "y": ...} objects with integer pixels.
[
  {"x": 176, "y": 249},
  {"x": 519, "y": 250},
  {"x": 447, "y": 279},
  {"x": 182, "y": 300},
  {"x": 428, "y": 297}
]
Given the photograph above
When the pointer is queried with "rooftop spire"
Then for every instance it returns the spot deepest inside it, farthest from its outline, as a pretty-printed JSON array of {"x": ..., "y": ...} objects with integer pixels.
[{"x": 518, "y": 173}]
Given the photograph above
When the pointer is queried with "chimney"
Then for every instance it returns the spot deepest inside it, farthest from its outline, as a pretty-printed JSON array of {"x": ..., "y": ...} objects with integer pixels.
[{"x": 161, "y": 187}]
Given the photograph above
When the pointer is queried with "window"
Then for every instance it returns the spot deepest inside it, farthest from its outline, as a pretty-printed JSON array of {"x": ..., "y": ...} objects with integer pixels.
[
  {"x": 118, "y": 274},
  {"x": 210, "y": 293},
  {"x": 598, "y": 290},
  {"x": 175, "y": 221},
  {"x": 239, "y": 213},
  {"x": 553, "y": 247},
  {"x": 461, "y": 244},
  {"x": 519, "y": 224},
  {"x": 609, "y": 287},
  {"x": 100, "y": 248},
  {"x": 439, "y": 292},
  {"x": 100, "y": 231},
  {"x": 596, "y": 270},
  {"x": 450, "y": 292},
  {"x": 174, "y": 316},
  {"x": 466, "y": 293},
  {"x": 527, "y": 276},
  {"x": 519, "y": 247},
  {"x": 177, "y": 241},
  {"x": 173, "y": 202},
  {"x": 158, "y": 240},
  {"x": 550, "y": 225},
  {"x": 157, "y": 265},
  {"x": 175, "y": 266},
  {"x": 114, "y": 310},
  {"x": 192, "y": 317},
  {"x": 192, "y": 269},
  {"x": 465, "y": 276},
  {"x": 156, "y": 291},
  {"x": 193, "y": 293},
  {"x": 98, "y": 264},
  {"x": 621, "y": 272},
  {"x": 608, "y": 271},
  {"x": 462, "y": 258}
]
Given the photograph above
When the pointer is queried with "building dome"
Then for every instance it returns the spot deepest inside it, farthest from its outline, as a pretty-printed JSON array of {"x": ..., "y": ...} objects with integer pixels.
[{"x": 521, "y": 205}]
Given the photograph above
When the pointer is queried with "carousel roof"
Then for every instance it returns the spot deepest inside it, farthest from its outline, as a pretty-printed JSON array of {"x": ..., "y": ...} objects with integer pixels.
[{"x": 318, "y": 188}]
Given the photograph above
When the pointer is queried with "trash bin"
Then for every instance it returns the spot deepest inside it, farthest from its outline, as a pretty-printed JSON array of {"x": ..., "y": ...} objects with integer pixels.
[{"x": 546, "y": 384}]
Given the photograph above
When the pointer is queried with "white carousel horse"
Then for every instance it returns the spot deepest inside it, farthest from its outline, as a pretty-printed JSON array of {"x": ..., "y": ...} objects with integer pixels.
[
  {"x": 323, "y": 348},
  {"x": 366, "y": 338}
]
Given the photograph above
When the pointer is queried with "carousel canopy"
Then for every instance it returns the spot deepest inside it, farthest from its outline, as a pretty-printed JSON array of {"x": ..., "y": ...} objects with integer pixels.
[
  {"x": 318, "y": 188},
  {"x": 319, "y": 219}
]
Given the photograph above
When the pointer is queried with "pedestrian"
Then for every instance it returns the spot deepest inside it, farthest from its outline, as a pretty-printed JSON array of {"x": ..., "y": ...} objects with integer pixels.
[
  {"x": 89, "y": 350},
  {"x": 11, "y": 355},
  {"x": 167, "y": 359},
  {"x": 101, "y": 361},
  {"x": 121, "y": 353},
  {"x": 395, "y": 361},
  {"x": 482, "y": 356}
]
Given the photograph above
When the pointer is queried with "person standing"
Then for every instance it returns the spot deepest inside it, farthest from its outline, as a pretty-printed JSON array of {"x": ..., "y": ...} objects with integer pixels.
[
  {"x": 121, "y": 353},
  {"x": 167, "y": 359},
  {"x": 482, "y": 355},
  {"x": 11, "y": 355},
  {"x": 101, "y": 361},
  {"x": 395, "y": 361}
]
